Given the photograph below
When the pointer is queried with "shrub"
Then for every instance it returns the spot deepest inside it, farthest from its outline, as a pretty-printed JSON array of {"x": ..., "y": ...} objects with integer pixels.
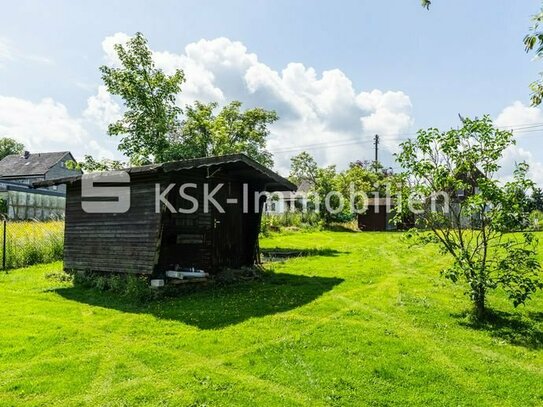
[
  {"x": 292, "y": 219},
  {"x": 132, "y": 287},
  {"x": 59, "y": 276}
]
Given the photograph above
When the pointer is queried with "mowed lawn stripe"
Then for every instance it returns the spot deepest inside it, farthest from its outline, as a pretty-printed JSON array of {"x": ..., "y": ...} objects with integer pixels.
[{"x": 361, "y": 319}]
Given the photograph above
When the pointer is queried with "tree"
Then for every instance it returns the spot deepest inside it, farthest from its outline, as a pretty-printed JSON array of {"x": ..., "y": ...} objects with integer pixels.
[
  {"x": 532, "y": 41},
  {"x": 537, "y": 199},
  {"x": 204, "y": 133},
  {"x": 149, "y": 95},
  {"x": 325, "y": 187},
  {"x": 90, "y": 164},
  {"x": 9, "y": 146},
  {"x": 303, "y": 167},
  {"x": 474, "y": 226}
]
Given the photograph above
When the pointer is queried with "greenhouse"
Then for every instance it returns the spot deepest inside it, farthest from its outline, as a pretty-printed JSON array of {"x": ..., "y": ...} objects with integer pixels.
[{"x": 21, "y": 202}]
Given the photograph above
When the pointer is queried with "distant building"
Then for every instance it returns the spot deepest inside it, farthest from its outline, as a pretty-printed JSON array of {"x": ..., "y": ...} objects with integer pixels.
[
  {"x": 32, "y": 167},
  {"x": 378, "y": 216},
  {"x": 288, "y": 201}
]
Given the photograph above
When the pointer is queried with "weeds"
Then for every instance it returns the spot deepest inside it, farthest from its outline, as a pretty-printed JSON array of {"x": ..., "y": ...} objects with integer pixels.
[
  {"x": 129, "y": 286},
  {"x": 32, "y": 242}
]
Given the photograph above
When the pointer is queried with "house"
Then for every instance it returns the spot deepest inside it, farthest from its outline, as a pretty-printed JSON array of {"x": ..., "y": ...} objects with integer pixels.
[
  {"x": 289, "y": 201},
  {"x": 32, "y": 167},
  {"x": 150, "y": 239}
]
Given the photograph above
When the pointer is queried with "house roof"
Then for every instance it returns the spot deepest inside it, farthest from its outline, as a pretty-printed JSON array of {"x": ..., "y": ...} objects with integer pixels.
[
  {"x": 16, "y": 165},
  {"x": 236, "y": 163}
]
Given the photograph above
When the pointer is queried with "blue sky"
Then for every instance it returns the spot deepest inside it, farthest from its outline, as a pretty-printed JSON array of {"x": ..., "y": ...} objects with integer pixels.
[{"x": 460, "y": 57}]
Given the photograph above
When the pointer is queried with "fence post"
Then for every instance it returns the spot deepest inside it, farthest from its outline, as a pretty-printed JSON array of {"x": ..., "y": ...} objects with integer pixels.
[{"x": 4, "y": 246}]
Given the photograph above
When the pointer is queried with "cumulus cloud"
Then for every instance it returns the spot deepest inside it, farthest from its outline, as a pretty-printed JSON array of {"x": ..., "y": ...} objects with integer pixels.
[
  {"x": 322, "y": 108},
  {"x": 313, "y": 107},
  {"x": 108, "y": 46},
  {"x": 46, "y": 126},
  {"x": 101, "y": 109},
  {"x": 522, "y": 120}
]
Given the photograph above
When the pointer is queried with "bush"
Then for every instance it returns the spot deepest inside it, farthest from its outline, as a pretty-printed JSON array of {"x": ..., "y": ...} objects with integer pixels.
[
  {"x": 59, "y": 276},
  {"x": 294, "y": 219},
  {"x": 133, "y": 287}
]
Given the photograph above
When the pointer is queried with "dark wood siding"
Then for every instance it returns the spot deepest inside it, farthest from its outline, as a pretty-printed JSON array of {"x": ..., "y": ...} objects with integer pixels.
[
  {"x": 146, "y": 242},
  {"x": 212, "y": 240},
  {"x": 187, "y": 238},
  {"x": 124, "y": 242},
  {"x": 372, "y": 221}
]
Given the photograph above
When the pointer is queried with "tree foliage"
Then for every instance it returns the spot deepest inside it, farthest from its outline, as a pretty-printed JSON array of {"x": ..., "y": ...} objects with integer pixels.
[
  {"x": 9, "y": 146},
  {"x": 204, "y": 133},
  {"x": 360, "y": 177},
  {"x": 475, "y": 224},
  {"x": 533, "y": 41},
  {"x": 90, "y": 164},
  {"x": 149, "y": 96},
  {"x": 152, "y": 128}
]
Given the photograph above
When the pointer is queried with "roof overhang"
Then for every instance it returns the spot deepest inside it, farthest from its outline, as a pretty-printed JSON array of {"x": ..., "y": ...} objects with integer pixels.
[{"x": 235, "y": 163}]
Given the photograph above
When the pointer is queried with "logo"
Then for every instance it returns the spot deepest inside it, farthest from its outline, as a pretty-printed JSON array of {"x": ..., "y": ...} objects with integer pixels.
[{"x": 101, "y": 192}]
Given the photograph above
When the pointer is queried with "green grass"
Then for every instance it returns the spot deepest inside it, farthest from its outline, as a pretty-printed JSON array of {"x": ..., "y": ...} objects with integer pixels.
[{"x": 359, "y": 319}]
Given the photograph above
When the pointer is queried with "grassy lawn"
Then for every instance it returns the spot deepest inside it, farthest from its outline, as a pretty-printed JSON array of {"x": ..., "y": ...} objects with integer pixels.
[{"x": 362, "y": 319}]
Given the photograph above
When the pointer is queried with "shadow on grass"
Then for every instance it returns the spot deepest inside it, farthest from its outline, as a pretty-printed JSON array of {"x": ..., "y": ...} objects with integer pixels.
[
  {"x": 512, "y": 328},
  {"x": 218, "y": 306},
  {"x": 279, "y": 253},
  {"x": 340, "y": 228}
]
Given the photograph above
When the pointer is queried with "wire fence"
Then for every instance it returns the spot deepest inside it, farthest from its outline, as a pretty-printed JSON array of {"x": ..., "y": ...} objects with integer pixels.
[{"x": 24, "y": 243}]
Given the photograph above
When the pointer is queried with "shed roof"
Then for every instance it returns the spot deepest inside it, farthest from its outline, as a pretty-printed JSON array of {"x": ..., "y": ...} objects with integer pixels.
[
  {"x": 36, "y": 164},
  {"x": 239, "y": 163}
]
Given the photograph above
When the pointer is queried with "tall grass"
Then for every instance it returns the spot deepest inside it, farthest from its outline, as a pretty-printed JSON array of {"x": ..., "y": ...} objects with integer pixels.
[
  {"x": 32, "y": 242},
  {"x": 290, "y": 220}
]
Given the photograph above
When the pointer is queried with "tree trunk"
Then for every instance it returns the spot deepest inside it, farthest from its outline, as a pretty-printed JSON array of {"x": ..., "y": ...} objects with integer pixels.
[{"x": 479, "y": 302}]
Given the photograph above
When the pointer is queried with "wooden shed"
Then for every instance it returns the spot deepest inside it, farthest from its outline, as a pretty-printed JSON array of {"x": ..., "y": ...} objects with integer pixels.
[
  {"x": 150, "y": 240},
  {"x": 378, "y": 216}
]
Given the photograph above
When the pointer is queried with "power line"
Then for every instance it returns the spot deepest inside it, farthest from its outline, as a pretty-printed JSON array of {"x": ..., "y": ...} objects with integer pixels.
[{"x": 519, "y": 129}]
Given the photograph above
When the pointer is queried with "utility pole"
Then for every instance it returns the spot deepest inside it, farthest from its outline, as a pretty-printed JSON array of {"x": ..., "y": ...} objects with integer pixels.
[{"x": 376, "y": 144}]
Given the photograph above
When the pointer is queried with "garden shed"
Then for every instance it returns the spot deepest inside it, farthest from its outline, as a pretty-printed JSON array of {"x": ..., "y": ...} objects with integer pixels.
[
  {"x": 378, "y": 216},
  {"x": 149, "y": 239}
]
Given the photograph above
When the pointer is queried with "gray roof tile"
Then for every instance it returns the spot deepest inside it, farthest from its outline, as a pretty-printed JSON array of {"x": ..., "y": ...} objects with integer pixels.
[{"x": 36, "y": 164}]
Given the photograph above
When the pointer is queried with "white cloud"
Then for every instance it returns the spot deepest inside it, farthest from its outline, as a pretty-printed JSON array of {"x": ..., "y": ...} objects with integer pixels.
[
  {"x": 108, "y": 46},
  {"x": 521, "y": 117},
  {"x": 102, "y": 109},
  {"x": 45, "y": 126},
  {"x": 389, "y": 115},
  {"x": 313, "y": 107}
]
